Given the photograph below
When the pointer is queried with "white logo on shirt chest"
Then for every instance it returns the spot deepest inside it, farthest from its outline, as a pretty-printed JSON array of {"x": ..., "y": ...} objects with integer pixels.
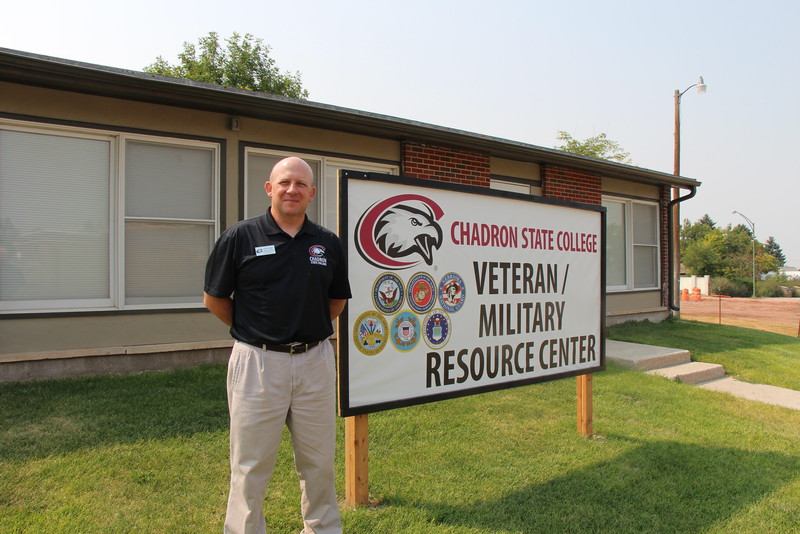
[{"x": 317, "y": 255}]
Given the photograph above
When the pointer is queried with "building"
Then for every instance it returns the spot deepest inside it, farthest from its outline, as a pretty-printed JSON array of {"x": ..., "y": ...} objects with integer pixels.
[{"x": 114, "y": 185}]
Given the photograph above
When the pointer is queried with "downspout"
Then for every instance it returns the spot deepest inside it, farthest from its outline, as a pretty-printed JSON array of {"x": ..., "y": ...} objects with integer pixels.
[{"x": 671, "y": 246}]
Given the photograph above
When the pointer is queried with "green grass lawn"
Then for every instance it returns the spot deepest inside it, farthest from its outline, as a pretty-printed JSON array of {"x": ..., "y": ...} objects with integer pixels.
[{"x": 148, "y": 453}]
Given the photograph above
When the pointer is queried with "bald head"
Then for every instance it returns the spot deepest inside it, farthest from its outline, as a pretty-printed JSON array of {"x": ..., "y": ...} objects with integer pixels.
[{"x": 291, "y": 165}]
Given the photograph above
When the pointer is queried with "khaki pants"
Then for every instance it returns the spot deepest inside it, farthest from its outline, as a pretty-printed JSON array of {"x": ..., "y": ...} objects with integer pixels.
[{"x": 265, "y": 391}]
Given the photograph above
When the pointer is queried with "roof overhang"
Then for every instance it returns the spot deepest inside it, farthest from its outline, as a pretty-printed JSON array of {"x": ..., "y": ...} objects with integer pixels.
[{"x": 66, "y": 75}]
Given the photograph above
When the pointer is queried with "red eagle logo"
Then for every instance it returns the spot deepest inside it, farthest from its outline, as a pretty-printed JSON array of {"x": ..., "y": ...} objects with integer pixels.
[{"x": 399, "y": 232}]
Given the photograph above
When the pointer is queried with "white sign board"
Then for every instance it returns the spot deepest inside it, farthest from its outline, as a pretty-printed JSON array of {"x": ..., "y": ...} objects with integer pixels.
[{"x": 460, "y": 290}]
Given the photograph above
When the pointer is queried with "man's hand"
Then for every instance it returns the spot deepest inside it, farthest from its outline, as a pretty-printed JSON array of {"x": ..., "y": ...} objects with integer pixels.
[
  {"x": 337, "y": 306},
  {"x": 221, "y": 307}
]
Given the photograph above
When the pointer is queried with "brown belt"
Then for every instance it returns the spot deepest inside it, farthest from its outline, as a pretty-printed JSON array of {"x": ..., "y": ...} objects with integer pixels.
[{"x": 292, "y": 348}]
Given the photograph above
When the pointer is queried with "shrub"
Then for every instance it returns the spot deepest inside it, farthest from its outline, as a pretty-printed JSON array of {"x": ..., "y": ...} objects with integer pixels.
[
  {"x": 769, "y": 288},
  {"x": 731, "y": 288}
]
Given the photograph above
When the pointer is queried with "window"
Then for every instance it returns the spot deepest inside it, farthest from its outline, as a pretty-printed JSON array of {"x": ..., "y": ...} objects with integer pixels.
[
  {"x": 169, "y": 220},
  {"x": 632, "y": 244},
  {"x": 511, "y": 186},
  {"x": 99, "y": 220},
  {"x": 323, "y": 209}
]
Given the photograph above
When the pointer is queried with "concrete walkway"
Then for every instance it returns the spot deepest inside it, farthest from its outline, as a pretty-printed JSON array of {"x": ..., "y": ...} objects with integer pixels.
[{"x": 677, "y": 364}]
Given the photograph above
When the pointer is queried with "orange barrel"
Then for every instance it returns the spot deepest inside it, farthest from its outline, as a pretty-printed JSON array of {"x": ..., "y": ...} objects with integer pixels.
[
  {"x": 684, "y": 294},
  {"x": 695, "y": 293}
]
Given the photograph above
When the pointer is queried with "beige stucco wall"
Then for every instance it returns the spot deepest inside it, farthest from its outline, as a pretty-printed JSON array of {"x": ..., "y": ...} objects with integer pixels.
[
  {"x": 611, "y": 186},
  {"x": 69, "y": 332},
  {"x": 516, "y": 169},
  {"x": 632, "y": 302}
]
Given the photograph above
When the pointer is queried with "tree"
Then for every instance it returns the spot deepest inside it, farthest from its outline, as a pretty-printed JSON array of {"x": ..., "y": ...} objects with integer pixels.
[
  {"x": 691, "y": 233},
  {"x": 774, "y": 249},
  {"x": 599, "y": 147},
  {"x": 725, "y": 252},
  {"x": 705, "y": 255},
  {"x": 245, "y": 63}
]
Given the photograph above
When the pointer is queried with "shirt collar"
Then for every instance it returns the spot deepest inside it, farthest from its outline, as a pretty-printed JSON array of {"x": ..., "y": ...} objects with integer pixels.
[{"x": 272, "y": 227}]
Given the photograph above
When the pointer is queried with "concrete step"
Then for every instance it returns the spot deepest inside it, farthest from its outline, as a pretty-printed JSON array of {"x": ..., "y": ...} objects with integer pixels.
[
  {"x": 645, "y": 357},
  {"x": 691, "y": 373},
  {"x": 676, "y": 364}
]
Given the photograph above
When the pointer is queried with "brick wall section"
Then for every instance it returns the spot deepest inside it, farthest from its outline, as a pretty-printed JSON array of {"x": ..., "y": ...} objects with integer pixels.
[
  {"x": 570, "y": 184},
  {"x": 664, "y": 223},
  {"x": 445, "y": 164}
]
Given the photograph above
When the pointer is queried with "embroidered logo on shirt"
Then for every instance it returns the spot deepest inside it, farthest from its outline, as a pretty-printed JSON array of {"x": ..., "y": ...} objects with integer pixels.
[{"x": 316, "y": 255}]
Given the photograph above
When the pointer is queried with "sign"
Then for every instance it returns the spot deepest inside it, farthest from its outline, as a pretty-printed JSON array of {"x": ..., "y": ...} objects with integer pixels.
[{"x": 460, "y": 290}]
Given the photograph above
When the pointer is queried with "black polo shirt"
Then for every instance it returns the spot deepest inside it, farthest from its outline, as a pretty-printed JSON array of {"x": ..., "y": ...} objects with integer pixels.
[{"x": 280, "y": 284}]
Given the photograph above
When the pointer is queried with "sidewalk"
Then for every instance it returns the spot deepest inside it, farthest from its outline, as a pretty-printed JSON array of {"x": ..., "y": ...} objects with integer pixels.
[{"x": 677, "y": 364}]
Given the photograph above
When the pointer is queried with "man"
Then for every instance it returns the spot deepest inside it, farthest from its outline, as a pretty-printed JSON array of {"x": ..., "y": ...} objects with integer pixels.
[{"x": 288, "y": 278}]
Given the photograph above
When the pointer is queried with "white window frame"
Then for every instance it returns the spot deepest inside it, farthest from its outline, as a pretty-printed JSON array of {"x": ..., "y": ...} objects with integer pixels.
[
  {"x": 631, "y": 246},
  {"x": 521, "y": 187},
  {"x": 326, "y": 212},
  {"x": 117, "y": 217},
  {"x": 212, "y": 223}
]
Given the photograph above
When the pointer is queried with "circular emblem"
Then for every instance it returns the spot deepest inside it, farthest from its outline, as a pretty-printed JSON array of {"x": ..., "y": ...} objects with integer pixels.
[
  {"x": 437, "y": 329},
  {"x": 452, "y": 292},
  {"x": 370, "y": 333},
  {"x": 405, "y": 331},
  {"x": 387, "y": 293},
  {"x": 421, "y": 292}
]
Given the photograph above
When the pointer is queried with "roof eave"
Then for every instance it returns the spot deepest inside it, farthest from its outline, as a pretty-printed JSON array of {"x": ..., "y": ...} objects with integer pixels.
[{"x": 55, "y": 73}]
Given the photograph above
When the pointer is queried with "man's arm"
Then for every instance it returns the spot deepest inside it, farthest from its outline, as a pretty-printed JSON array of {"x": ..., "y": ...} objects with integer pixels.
[
  {"x": 221, "y": 307},
  {"x": 337, "y": 305}
]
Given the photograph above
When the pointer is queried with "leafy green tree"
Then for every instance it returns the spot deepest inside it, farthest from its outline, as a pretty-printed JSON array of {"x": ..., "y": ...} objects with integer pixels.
[
  {"x": 774, "y": 249},
  {"x": 741, "y": 245},
  {"x": 599, "y": 146},
  {"x": 738, "y": 253},
  {"x": 692, "y": 232},
  {"x": 765, "y": 262},
  {"x": 723, "y": 252},
  {"x": 705, "y": 255},
  {"x": 244, "y": 63}
]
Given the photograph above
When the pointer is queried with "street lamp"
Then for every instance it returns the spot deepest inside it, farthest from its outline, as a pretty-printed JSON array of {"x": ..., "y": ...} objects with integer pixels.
[
  {"x": 701, "y": 88},
  {"x": 676, "y": 222},
  {"x": 753, "y": 229}
]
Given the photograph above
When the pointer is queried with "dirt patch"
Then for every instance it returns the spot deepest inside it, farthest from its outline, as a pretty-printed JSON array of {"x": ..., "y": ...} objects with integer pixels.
[{"x": 780, "y": 315}]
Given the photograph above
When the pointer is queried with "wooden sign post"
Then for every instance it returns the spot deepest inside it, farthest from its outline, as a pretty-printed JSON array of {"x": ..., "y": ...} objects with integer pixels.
[
  {"x": 356, "y": 470},
  {"x": 585, "y": 405}
]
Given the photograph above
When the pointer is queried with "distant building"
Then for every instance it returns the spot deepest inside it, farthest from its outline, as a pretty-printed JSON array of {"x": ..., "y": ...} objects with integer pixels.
[{"x": 791, "y": 272}]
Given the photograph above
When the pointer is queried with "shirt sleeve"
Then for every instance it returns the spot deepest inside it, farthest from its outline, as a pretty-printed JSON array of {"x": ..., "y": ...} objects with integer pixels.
[
  {"x": 220, "y": 279},
  {"x": 340, "y": 286}
]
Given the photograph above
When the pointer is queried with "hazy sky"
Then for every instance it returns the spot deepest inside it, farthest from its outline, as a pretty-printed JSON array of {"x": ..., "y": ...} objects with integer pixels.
[{"x": 520, "y": 70}]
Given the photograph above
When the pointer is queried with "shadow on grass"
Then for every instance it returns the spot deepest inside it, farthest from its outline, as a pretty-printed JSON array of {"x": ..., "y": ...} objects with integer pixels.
[
  {"x": 657, "y": 487},
  {"x": 54, "y": 417}
]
